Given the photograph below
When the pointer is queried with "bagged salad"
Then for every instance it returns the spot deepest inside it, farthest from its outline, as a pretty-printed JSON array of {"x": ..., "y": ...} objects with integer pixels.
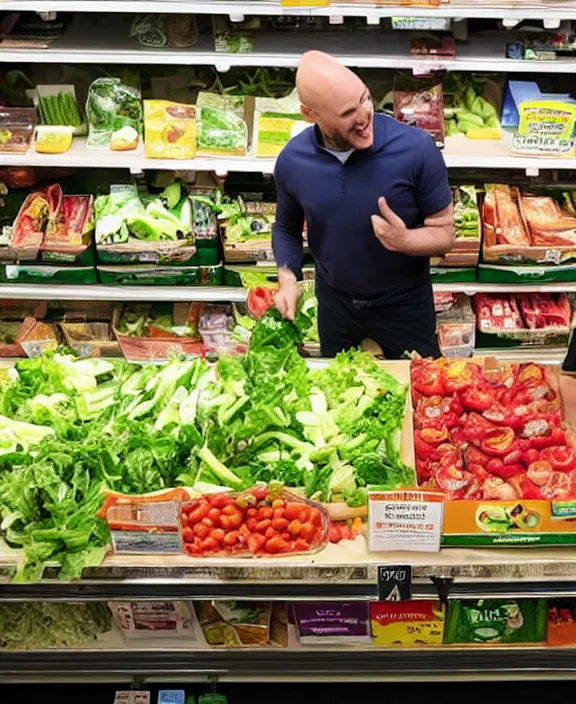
[
  {"x": 221, "y": 126},
  {"x": 114, "y": 114}
]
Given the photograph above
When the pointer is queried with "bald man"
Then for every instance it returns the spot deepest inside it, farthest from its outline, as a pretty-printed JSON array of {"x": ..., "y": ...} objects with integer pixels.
[{"x": 375, "y": 197}]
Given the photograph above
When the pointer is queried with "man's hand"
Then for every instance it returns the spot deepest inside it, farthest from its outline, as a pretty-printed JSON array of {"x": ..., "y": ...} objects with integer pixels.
[
  {"x": 288, "y": 294},
  {"x": 434, "y": 239},
  {"x": 390, "y": 229}
]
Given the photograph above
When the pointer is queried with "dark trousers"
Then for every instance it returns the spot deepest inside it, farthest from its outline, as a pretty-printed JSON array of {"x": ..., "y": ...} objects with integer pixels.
[{"x": 406, "y": 323}]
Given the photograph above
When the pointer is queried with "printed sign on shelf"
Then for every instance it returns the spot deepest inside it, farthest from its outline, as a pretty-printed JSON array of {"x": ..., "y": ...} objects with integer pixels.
[
  {"x": 405, "y": 520},
  {"x": 394, "y": 583}
]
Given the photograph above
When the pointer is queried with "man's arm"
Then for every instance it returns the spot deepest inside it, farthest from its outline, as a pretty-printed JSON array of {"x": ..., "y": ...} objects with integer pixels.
[
  {"x": 434, "y": 239},
  {"x": 287, "y": 245}
]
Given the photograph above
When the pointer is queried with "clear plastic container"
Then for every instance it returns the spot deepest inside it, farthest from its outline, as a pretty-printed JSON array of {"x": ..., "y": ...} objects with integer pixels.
[
  {"x": 16, "y": 129},
  {"x": 259, "y": 522}
]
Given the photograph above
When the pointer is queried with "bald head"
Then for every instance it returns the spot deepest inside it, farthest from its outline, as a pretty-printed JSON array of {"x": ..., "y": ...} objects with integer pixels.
[
  {"x": 321, "y": 80},
  {"x": 336, "y": 100}
]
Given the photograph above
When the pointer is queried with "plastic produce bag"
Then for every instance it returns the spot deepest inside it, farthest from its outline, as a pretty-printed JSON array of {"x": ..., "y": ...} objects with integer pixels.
[
  {"x": 221, "y": 128},
  {"x": 114, "y": 113},
  {"x": 420, "y": 102}
]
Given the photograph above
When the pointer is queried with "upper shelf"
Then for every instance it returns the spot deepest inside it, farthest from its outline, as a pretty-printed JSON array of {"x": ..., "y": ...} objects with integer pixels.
[
  {"x": 459, "y": 153},
  {"x": 91, "y": 39},
  {"x": 535, "y": 9}
]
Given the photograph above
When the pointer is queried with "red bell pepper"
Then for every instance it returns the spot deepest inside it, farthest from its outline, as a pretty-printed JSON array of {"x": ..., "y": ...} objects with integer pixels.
[
  {"x": 459, "y": 375},
  {"x": 427, "y": 378},
  {"x": 476, "y": 398},
  {"x": 475, "y": 428},
  {"x": 530, "y": 373},
  {"x": 539, "y": 472},
  {"x": 473, "y": 456},
  {"x": 562, "y": 458},
  {"x": 497, "y": 468},
  {"x": 498, "y": 442},
  {"x": 434, "y": 412},
  {"x": 433, "y": 436},
  {"x": 561, "y": 486},
  {"x": 525, "y": 488},
  {"x": 425, "y": 450},
  {"x": 556, "y": 437},
  {"x": 503, "y": 415}
]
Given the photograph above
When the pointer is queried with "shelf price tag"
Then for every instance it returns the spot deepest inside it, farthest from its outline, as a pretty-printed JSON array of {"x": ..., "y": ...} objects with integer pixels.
[
  {"x": 394, "y": 583},
  {"x": 305, "y": 3},
  {"x": 405, "y": 520},
  {"x": 420, "y": 24}
]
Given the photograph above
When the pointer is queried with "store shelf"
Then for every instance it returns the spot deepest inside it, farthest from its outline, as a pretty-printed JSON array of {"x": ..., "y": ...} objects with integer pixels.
[
  {"x": 474, "y": 9},
  {"x": 92, "y": 39},
  {"x": 459, "y": 152},
  {"x": 353, "y": 663},
  {"x": 122, "y": 293}
]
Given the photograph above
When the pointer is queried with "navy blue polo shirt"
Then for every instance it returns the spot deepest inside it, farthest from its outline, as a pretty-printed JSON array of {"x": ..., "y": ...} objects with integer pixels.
[{"x": 337, "y": 199}]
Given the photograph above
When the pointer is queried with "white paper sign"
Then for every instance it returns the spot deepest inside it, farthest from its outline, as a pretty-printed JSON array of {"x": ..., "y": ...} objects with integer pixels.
[{"x": 405, "y": 520}]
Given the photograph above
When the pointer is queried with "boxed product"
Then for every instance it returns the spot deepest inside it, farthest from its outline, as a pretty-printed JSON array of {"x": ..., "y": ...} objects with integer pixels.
[
  {"x": 161, "y": 619},
  {"x": 151, "y": 275},
  {"x": 276, "y": 121},
  {"x": 217, "y": 330},
  {"x": 44, "y": 273},
  {"x": 158, "y": 331},
  {"x": 36, "y": 337},
  {"x": 492, "y": 437},
  {"x": 466, "y": 250},
  {"x": 53, "y": 140},
  {"x": 456, "y": 326},
  {"x": 134, "y": 227},
  {"x": 561, "y": 622},
  {"x": 503, "y": 622},
  {"x": 169, "y": 130},
  {"x": 16, "y": 129},
  {"x": 407, "y": 623},
  {"x": 90, "y": 339},
  {"x": 332, "y": 622},
  {"x": 529, "y": 230},
  {"x": 242, "y": 624},
  {"x": 14, "y": 323}
]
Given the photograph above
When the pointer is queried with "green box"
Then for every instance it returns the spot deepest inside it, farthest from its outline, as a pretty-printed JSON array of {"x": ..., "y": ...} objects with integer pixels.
[
  {"x": 454, "y": 275},
  {"x": 161, "y": 276},
  {"x": 80, "y": 258},
  {"x": 496, "y": 622},
  {"x": 46, "y": 274},
  {"x": 488, "y": 273}
]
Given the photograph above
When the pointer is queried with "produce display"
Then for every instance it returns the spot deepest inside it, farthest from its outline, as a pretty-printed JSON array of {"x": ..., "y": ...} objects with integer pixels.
[
  {"x": 86, "y": 425},
  {"x": 486, "y": 432},
  {"x": 467, "y": 110}
]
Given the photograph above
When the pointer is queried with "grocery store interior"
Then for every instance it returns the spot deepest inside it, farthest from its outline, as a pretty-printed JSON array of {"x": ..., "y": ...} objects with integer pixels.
[{"x": 198, "y": 503}]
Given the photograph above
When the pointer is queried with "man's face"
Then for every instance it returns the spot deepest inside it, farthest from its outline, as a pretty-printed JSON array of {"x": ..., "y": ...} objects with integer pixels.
[{"x": 348, "y": 123}]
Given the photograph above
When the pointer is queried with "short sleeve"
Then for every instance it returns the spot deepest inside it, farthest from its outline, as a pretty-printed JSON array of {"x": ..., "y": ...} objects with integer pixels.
[
  {"x": 432, "y": 180},
  {"x": 569, "y": 363}
]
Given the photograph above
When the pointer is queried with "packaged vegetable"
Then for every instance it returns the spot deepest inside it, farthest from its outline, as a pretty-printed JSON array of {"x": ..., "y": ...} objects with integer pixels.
[
  {"x": 221, "y": 125},
  {"x": 170, "y": 130},
  {"x": 419, "y": 102},
  {"x": 114, "y": 114},
  {"x": 561, "y": 630},
  {"x": 177, "y": 31},
  {"x": 57, "y": 106},
  {"x": 260, "y": 522},
  {"x": 16, "y": 129},
  {"x": 234, "y": 37},
  {"x": 53, "y": 140},
  {"x": 332, "y": 622},
  {"x": 496, "y": 622},
  {"x": 412, "y": 623},
  {"x": 276, "y": 121},
  {"x": 471, "y": 105},
  {"x": 242, "y": 624},
  {"x": 149, "y": 619}
]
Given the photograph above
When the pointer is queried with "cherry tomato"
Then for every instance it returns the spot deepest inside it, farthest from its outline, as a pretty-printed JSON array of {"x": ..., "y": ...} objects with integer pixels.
[
  {"x": 307, "y": 531},
  {"x": 260, "y": 493},
  {"x": 280, "y": 524},
  {"x": 244, "y": 530},
  {"x": 214, "y": 516},
  {"x": 231, "y": 538},
  {"x": 201, "y": 530},
  {"x": 276, "y": 545},
  {"x": 231, "y": 522},
  {"x": 345, "y": 531},
  {"x": 301, "y": 545},
  {"x": 262, "y": 526},
  {"x": 187, "y": 534},
  {"x": 252, "y": 512},
  {"x": 278, "y": 512},
  {"x": 278, "y": 503},
  {"x": 231, "y": 510},
  {"x": 188, "y": 508},
  {"x": 195, "y": 517},
  {"x": 315, "y": 517},
  {"x": 294, "y": 528},
  {"x": 292, "y": 510},
  {"x": 208, "y": 544},
  {"x": 218, "y": 500},
  {"x": 255, "y": 542},
  {"x": 193, "y": 549},
  {"x": 251, "y": 523},
  {"x": 270, "y": 532},
  {"x": 334, "y": 535},
  {"x": 217, "y": 535},
  {"x": 207, "y": 522},
  {"x": 304, "y": 515},
  {"x": 264, "y": 512}
]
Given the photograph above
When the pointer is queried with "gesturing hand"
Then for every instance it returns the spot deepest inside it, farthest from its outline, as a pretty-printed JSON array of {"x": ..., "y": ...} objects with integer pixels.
[{"x": 390, "y": 229}]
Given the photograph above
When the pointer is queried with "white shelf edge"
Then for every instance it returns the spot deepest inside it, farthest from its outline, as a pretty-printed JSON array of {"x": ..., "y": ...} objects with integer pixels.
[
  {"x": 98, "y": 292},
  {"x": 537, "y": 10}
]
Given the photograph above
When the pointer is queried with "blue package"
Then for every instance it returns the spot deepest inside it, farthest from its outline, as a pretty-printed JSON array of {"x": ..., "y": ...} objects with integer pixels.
[
  {"x": 517, "y": 92},
  {"x": 171, "y": 696}
]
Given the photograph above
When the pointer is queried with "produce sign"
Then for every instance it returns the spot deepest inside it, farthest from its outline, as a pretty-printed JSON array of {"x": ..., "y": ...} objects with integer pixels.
[
  {"x": 483, "y": 433},
  {"x": 71, "y": 429}
]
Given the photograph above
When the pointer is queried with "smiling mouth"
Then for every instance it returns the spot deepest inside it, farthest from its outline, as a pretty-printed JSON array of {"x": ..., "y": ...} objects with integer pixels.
[{"x": 362, "y": 131}]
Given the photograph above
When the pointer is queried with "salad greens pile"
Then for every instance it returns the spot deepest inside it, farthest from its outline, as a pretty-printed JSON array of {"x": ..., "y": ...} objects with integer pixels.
[
  {"x": 466, "y": 213},
  {"x": 35, "y": 625},
  {"x": 70, "y": 429}
]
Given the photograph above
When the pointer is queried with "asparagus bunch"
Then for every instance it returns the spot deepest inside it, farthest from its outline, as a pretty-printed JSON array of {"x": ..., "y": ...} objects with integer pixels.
[{"x": 59, "y": 109}]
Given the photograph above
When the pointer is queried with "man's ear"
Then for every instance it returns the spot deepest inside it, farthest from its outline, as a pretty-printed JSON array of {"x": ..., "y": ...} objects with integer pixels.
[{"x": 307, "y": 113}]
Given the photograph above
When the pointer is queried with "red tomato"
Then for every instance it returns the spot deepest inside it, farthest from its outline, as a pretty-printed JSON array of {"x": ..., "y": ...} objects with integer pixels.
[
  {"x": 315, "y": 517},
  {"x": 301, "y": 545},
  {"x": 231, "y": 510},
  {"x": 187, "y": 534},
  {"x": 188, "y": 508},
  {"x": 207, "y": 522},
  {"x": 276, "y": 545},
  {"x": 252, "y": 512},
  {"x": 217, "y": 534},
  {"x": 308, "y": 531},
  {"x": 292, "y": 510},
  {"x": 262, "y": 526},
  {"x": 255, "y": 542},
  {"x": 230, "y": 538},
  {"x": 264, "y": 512},
  {"x": 294, "y": 528},
  {"x": 278, "y": 503},
  {"x": 334, "y": 533},
  {"x": 278, "y": 513},
  {"x": 504, "y": 471},
  {"x": 194, "y": 517},
  {"x": 193, "y": 549},
  {"x": 231, "y": 522},
  {"x": 209, "y": 544},
  {"x": 345, "y": 531},
  {"x": 251, "y": 523},
  {"x": 270, "y": 532},
  {"x": 214, "y": 516},
  {"x": 201, "y": 530},
  {"x": 304, "y": 515},
  {"x": 280, "y": 524},
  {"x": 260, "y": 493},
  {"x": 218, "y": 500}
]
